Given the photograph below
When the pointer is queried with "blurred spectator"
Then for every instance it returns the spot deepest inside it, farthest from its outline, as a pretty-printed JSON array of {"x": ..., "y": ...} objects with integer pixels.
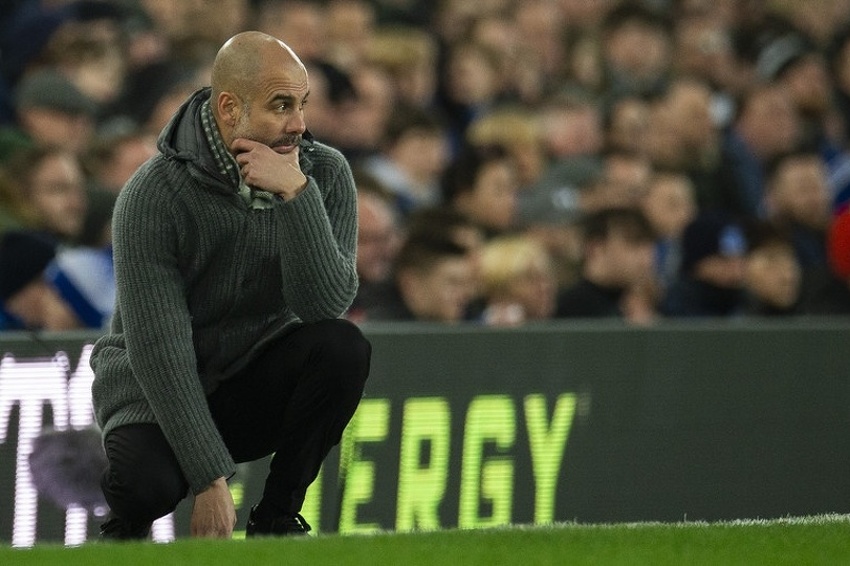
[
  {"x": 481, "y": 183},
  {"x": 471, "y": 86},
  {"x": 330, "y": 91},
  {"x": 194, "y": 30},
  {"x": 444, "y": 222},
  {"x": 802, "y": 68},
  {"x": 572, "y": 125},
  {"x": 711, "y": 272},
  {"x": 766, "y": 125},
  {"x": 349, "y": 25},
  {"x": 700, "y": 155},
  {"x": 166, "y": 58},
  {"x": 362, "y": 120},
  {"x": 794, "y": 61},
  {"x": 409, "y": 56},
  {"x": 298, "y": 23},
  {"x": 661, "y": 142},
  {"x": 617, "y": 259},
  {"x": 705, "y": 49},
  {"x": 669, "y": 205},
  {"x": 797, "y": 199},
  {"x": 831, "y": 296},
  {"x": 434, "y": 281},
  {"x": 637, "y": 47},
  {"x": 626, "y": 175},
  {"x": 164, "y": 106},
  {"x": 571, "y": 128},
  {"x": 820, "y": 23},
  {"x": 51, "y": 111},
  {"x": 116, "y": 152},
  {"x": 517, "y": 280},
  {"x": 518, "y": 131},
  {"x": 46, "y": 287},
  {"x": 773, "y": 277},
  {"x": 379, "y": 237},
  {"x": 52, "y": 181},
  {"x": 90, "y": 49},
  {"x": 413, "y": 155},
  {"x": 541, "y": 49},
  {"x": 27, "y": 301},
  {"x": 32, "y": 32}
]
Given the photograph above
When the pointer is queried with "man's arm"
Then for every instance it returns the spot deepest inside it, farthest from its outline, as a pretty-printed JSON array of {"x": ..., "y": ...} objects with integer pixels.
[
  {"x": 157, "y": 326},
  {"x": 318, "y": 223},
  {"x": 213, "y": 512}
]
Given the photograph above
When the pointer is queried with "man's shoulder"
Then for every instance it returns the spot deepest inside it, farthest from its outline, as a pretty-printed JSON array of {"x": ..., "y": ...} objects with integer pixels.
[
  {"x": 317, "y": 151},
  {"x": 158, "y": 178}
]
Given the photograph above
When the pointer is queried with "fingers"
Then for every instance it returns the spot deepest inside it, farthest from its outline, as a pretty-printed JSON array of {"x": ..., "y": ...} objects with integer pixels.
[{"x": 241, "y": 145}]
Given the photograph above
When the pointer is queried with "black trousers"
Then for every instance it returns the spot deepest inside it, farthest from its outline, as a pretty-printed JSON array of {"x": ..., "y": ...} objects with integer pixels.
[{"x": 294, "y": 400}]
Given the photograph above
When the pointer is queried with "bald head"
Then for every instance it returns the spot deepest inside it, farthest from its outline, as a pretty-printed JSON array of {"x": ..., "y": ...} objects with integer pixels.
[
  {"x": 259, "y": 88},
  {"x": 244, "y": 58}
]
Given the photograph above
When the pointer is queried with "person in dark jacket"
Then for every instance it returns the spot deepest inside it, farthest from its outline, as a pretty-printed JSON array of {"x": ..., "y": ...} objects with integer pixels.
[
  {"x": 618, "y": 260},
  {"x": 234, "y": 253},
  {"x": 711, "y": 273}
]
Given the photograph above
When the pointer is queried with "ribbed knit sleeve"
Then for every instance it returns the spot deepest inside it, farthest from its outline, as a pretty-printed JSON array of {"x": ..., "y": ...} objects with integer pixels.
[
  {"x": 318, "y": 240},
  {"x": 157, "y": 325}
]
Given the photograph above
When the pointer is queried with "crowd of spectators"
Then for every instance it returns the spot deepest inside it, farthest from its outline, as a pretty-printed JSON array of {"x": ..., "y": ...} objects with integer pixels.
[{"x": 515, "y": 161}]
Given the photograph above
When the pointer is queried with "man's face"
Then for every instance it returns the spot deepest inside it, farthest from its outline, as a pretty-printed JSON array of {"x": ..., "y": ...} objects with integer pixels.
[{"x": 272, "y": 113}]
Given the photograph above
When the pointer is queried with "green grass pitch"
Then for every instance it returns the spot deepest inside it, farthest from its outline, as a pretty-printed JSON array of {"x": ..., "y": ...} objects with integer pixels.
[{"x": 792, "y": 541}]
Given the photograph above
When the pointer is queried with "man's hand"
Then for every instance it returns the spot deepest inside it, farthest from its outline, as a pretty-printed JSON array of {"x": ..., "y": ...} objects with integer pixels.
[
  {"x": 213, "y": 513},
  {"x": 264, "y": 168}
]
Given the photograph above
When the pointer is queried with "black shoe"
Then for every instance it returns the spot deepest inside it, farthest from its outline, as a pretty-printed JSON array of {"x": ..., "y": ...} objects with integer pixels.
[
  {"x": 119, "y": 529},
  {"x": 279, "y": 525}
]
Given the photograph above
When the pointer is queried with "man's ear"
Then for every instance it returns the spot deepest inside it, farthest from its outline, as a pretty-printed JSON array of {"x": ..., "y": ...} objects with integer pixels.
[{"x": 228, "y": 108}]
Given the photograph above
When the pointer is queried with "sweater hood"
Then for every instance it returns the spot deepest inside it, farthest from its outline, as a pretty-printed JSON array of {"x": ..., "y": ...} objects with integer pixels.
[{"x": 183, "y": 139}]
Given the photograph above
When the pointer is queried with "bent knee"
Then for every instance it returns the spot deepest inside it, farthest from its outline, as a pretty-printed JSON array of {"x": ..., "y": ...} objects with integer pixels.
[{"x": 345, "y": 346}]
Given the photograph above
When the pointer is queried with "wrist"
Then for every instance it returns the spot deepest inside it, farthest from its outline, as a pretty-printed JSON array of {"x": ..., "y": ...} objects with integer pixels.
[{"x": 292, "y": 193}]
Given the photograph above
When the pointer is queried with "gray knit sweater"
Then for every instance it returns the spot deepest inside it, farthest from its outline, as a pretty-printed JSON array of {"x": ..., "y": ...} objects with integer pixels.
[{"x": 204, "y": 281}]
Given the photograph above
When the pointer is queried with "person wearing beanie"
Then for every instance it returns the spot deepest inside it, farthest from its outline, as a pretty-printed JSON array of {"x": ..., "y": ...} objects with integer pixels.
[
  {"x": 44, "y": 286},
  {"x": 711, "y": 272},
  {"x": 51, "y": 111},
  {"x": 27, "y": 301}
]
